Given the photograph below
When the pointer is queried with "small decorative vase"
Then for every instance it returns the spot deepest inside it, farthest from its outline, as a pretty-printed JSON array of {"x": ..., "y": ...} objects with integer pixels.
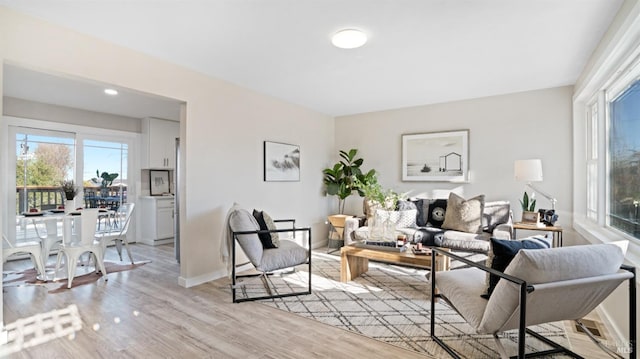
[
  {"x": 69, "y": 206},
  {"x": 389, "y": 230}
]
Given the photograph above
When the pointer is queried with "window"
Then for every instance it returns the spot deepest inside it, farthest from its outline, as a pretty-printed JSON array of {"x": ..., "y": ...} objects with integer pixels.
[
  {"x": 592, "y": 162},
  {"x": 624, "y": 161}
]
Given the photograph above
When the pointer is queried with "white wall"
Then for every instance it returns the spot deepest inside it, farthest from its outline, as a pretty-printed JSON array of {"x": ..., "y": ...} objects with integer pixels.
[
  {"x": 222, "y": 134},
  {"x": 502, "y": 129}
]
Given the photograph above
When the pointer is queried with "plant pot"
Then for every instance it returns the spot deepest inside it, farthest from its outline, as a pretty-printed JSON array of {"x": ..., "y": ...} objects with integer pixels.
[
  {"x": 69, "y": 206},
  {"x": 337, "y": 221}
]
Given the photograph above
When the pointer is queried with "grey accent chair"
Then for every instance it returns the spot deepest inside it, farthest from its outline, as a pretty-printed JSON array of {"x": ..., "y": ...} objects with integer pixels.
[
  {"x": 538, "y": 286},
  {"x": 244, "y": 230}
]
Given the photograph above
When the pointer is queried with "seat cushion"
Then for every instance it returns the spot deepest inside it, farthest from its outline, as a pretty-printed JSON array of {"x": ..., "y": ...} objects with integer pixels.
[
  {"x": 464, "y": 287},
  {"x": 289, "y": 254}
]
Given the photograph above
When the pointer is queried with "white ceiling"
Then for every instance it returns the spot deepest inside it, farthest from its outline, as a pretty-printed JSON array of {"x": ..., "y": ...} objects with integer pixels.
[{"x": 419, "y": 51}]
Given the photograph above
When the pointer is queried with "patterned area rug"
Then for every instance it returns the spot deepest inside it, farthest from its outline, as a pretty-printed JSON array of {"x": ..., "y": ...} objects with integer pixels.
[{"x": 388, "y": 303}]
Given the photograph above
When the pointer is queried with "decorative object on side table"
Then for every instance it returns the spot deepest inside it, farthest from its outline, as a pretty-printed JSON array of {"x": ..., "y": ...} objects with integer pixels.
[
  {"x": 531, "y": 171},
  {"x": 439, "y": 156}
]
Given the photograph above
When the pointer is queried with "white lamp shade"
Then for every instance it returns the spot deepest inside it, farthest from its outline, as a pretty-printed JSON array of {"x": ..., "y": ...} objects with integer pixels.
[{"x": 528, "y": 170}]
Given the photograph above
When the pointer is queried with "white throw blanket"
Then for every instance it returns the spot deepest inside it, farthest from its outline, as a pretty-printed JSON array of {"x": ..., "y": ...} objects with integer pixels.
[{"x": 226, "y": 240}]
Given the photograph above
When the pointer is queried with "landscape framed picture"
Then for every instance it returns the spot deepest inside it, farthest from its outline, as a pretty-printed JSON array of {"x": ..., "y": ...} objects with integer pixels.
[
  {"x": 281, "y": 162},
  {"x": 436, "y": 156}
]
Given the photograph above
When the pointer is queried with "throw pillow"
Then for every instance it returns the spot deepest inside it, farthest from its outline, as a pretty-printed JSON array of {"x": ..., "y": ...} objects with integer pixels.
[
  {"x": 437, "y": 210},
  {"x": 265, "y": 238},
  {"x": 271, "y": 225},
  {"x": 420, "y": 217},
  {"x": 402, "y": 219},
  {"x": 463, "y": 215},
  {"x": 502, "y": 252}
]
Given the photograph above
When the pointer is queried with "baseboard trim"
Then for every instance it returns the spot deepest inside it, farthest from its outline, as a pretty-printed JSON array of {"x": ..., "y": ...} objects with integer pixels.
[{"x": 201, "y": 279}]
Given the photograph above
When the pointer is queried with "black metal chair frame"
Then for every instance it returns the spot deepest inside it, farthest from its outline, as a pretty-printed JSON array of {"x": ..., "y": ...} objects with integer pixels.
[
  {"x": 522, "y": 329},
  {"x": 234, "y": 275}
]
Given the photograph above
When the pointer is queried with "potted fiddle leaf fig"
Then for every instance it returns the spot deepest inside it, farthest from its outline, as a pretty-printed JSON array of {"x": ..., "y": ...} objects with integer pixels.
[{"x": 343, "y": 179}]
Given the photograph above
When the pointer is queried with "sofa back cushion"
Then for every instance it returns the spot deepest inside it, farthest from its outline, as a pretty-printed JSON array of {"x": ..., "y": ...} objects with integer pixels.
[
  {"x": 495, "y": 213},
  {"x": 464, "y": 215}
]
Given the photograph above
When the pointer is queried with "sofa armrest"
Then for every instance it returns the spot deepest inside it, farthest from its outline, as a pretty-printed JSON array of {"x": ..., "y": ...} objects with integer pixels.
[
  {"x": 503, "y": 231},
  {"x": 350, "y": 225}
]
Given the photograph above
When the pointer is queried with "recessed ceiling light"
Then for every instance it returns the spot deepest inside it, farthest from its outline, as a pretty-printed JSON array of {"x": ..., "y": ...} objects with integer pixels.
[
  {"x": 349, "y": 39},
  {"x": 111, "y": 92}
]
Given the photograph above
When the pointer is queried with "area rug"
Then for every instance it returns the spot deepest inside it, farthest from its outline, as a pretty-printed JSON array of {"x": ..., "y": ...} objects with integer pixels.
[
  {"x": 83, "y": 277},
  {"x": 388, "y": 303}
]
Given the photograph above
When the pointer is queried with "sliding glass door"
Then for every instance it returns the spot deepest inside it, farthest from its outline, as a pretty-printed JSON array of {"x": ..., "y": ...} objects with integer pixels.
[{"x": 98, "y": 163}]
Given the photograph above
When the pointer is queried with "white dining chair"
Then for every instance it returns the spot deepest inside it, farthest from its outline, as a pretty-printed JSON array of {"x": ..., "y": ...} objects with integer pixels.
[
  {"x": 49, "y": 238},
  {"x": 118, "y": 231},
  {"x": 31, "y": 248},
  {"x": 73, "y": 246}
]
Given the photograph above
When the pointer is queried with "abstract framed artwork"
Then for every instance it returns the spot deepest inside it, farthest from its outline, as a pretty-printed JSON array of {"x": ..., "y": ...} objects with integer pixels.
[
  {"x": 159, "y": 182},
  {"x": 436, "y": 156},
  {"x": 281, "y": 162}
]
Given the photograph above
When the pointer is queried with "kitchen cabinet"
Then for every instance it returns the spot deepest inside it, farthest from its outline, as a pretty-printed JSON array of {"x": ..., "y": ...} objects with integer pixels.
[
  {"x": 157, "y": 219},
  {"x": 159, "y": 143}
]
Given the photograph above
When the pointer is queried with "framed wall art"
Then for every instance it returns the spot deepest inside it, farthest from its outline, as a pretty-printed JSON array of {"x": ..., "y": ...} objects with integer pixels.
[
  {"x": 281, "y": 162},
  {"x": 159, "y": 182},
  {"x": 436, "y": 156}
]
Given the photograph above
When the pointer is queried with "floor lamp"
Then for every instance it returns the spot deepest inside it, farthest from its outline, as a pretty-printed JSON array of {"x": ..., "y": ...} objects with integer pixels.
[{"x": 531, "y": 171}]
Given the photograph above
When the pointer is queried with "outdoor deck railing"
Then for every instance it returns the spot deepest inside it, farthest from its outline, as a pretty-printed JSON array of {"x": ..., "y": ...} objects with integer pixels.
[{"x": 50, "y": 197}]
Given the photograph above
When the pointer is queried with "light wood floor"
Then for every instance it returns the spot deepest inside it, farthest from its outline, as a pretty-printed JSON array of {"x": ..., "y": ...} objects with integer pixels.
[{"x": 143, "y": 313}]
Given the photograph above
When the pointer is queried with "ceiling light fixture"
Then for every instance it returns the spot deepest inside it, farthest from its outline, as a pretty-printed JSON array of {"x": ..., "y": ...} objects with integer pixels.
[
  {"x": 111, "y": 92},
  {"x": 349, "y": 39}
]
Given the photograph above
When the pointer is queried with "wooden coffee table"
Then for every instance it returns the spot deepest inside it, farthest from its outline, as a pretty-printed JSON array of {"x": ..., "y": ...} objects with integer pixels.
[{"x": 355, "y": 260}]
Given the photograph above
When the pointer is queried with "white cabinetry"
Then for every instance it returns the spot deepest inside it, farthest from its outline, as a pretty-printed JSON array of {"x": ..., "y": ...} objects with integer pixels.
[
  {"x": 157, "y": 220},
  {"x": 159, "y": 143}
]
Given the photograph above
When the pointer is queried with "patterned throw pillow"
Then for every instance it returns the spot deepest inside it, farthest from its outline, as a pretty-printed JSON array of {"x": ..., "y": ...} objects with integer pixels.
[
  {"x": 464, "y": 215},
  {"x": 402, "y": 219},
  {"x": 275, "y": 239},
  {"x": 437, "y": 210}
]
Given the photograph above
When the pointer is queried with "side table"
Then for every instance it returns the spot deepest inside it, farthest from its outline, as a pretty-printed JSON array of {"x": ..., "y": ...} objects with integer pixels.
[{"x": 556, "y": 230}]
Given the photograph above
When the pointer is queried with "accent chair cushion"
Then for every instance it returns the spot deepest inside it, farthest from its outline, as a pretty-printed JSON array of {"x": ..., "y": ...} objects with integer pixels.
[
  {"x": 464, "y": 215},
  {"x": 241, "y": 220},
  {"x": 289, "y": 254},
  {"x": 546, "y": 266}
]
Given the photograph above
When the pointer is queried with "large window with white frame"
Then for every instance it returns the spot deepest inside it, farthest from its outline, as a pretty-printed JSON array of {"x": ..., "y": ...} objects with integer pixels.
[{"x": 623, "y": 160}]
